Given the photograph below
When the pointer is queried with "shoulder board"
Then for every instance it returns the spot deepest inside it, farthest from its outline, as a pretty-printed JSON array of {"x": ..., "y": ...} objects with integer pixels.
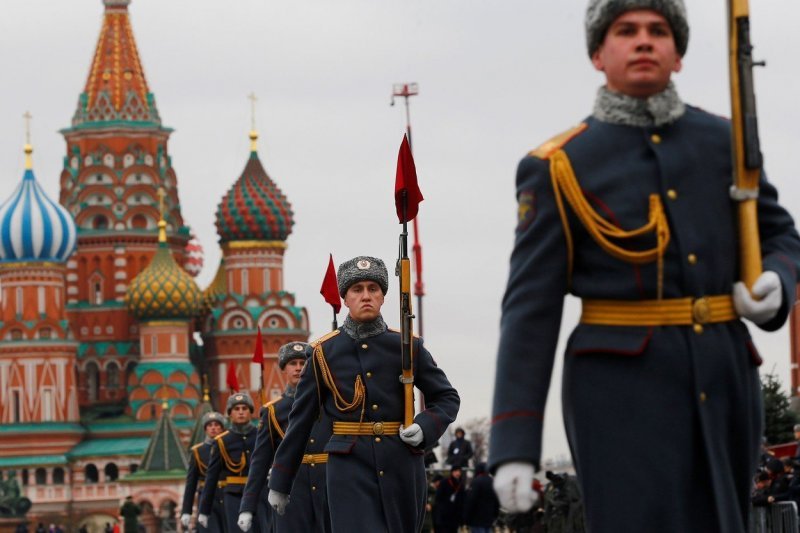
[
  {"x": 325, "y": 337},
  {"x": 219, "y": 437},
  {"x": 398, "y": 331},
  {"x": 556, "y": 143},
  {"x": 197, "y": 446},
  {"x": 271, "y": 402}
]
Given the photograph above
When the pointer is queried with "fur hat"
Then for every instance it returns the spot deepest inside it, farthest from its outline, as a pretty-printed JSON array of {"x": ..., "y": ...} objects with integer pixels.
[
  {"x": 239, "y": 398},
  {"x": 362, "y": 268},
  {"x": 293, "y": 350},
  {"x": 601, "y": 13},
  {"x": 212, "y": 416}
]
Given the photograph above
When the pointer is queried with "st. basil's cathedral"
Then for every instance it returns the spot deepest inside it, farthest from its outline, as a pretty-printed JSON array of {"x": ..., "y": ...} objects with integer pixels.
[{"x": 102, "y": 380}]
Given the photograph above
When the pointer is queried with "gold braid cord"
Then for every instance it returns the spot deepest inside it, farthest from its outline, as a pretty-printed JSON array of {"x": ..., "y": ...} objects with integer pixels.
[
  {"x": 358, "y": 387},
  {"x": 236, "y": 468},
  {"x": 274, "y": 421},
  {"x": 201, "y": 466},
  {"x": 565, "y": 183}
]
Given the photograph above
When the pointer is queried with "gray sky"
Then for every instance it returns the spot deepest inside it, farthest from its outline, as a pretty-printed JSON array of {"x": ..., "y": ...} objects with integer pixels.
[{"x": 496, "y": 79}]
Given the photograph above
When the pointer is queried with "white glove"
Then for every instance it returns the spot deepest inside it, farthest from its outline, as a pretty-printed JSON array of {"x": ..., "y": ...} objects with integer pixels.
[
  {"x": 513, "y": 484},
  {"x": 202, "y": 519},
  {"x": 278, "y": 501},
  {"x": 245, "y": 521},
  {"x": 768, "y": 290},
  {"x": 412, "y": 435},
  {"x": 185, "y": 518}
]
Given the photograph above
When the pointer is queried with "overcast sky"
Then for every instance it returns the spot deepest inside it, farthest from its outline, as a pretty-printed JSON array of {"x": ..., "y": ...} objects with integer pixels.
[{"x": 496, "y": 79}]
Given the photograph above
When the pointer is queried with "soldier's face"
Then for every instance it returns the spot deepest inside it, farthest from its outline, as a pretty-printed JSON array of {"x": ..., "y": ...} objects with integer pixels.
[
  {"x": 364, "y": 300},
  {"x": 292, "y": 371},
  {"x": 638, "y": 54},
  {"x": 213, "y": 429},
  {"x": 240, "y": 414}
]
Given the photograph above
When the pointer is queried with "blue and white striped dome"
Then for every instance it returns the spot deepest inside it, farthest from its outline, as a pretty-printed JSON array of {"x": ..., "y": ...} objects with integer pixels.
[{"x": 33, "y": 227}]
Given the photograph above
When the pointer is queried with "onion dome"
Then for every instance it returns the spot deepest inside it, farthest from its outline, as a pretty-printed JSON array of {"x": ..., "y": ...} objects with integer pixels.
[
  {"x": 217, "y": 288},
  {"x": 254, "y": 208},
  {"x": 194, "y": 257},
  {"x": 163, "y": 290},
  {"x": 32, "y": 226}
]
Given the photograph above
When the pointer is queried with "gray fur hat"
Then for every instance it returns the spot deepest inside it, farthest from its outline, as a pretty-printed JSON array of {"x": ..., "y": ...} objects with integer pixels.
[
  {"x": 239, "y": 398},
  {"x": 293, "y": 350},
  {"x": 601, "y": 13},
  {"x": 212, "y": 416},
  {"x": 362, "y": 268}
]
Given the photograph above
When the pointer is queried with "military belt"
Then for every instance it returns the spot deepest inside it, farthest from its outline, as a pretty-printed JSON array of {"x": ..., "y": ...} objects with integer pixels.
[
  {"x": 366, "y": 428},
  {"x": 315, "y": 458},
  {"x": 668, "y": 312},
  {"x": 232, "y": 480}
]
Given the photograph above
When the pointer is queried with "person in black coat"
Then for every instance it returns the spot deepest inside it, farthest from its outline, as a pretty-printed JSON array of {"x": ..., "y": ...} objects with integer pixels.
[
  {"x": 460, "y": 450},
  {"x": 375, "y": 472},
  {"x": 481, "y": 506},
  {"x": 448, "y": 505},
  {"x": 213, "y": 425}
]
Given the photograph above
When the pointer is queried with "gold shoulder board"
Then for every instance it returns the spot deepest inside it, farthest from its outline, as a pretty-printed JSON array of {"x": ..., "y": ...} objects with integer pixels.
[
  {"x": 197, "y": 446},
  {"x": 556, "y": 143},
  {"x": 325, "y": 337}
]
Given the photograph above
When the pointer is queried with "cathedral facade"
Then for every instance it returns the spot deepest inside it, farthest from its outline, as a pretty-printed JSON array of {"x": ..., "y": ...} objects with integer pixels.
[{"x": 109, "y": 351}]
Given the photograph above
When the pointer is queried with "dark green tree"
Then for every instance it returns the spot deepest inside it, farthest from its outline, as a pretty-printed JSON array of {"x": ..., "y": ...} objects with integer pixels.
[{"x": 779, "y": 418}]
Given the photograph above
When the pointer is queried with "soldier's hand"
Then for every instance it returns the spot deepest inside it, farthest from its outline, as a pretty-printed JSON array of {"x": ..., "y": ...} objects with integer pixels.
[
  {"x": 245, "y": 521},
  {"x": 412, "y": 435},
  {"x": 185, "y": 518},
  {"x": 513, "y": 484},
  {"x": 202, "y": 519},
  {"x": 278, "y": 501},
  {"x": 768, "y": 294}
]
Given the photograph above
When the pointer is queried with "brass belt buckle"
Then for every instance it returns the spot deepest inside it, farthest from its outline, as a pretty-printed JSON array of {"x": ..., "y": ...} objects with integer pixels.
[
  {"x": 701, "y": 310},
  {"x": 377, "y": 428}
]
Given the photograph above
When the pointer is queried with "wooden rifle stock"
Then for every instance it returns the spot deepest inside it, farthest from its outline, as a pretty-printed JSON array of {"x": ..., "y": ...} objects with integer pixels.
[{"x": 747, "y": 161}]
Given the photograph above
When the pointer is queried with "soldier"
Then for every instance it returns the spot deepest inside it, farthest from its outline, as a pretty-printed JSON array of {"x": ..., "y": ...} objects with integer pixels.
[
  {"x": 230, "y": 462},
  {"x": 309, "y": 509},
  {"x": 647, "y": 238},
  {"x": 213, "y": 425},
  {"x": 376, "y": 476}
]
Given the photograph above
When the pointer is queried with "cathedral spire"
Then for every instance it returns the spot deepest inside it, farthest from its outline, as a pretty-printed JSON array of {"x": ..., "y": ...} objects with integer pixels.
[{"x": 116, "y": 89}]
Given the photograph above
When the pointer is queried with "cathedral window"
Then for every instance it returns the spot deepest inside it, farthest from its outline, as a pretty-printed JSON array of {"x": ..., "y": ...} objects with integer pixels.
[
  {"x": 100, "y": 222},
  {"x": 16, "y": 334},
  {"x": 58, "y": 476},
  {"x": 40, "y": 300},
  {"x": 112, "y": 376},
  {"x": 45, "y": 333},
  {"x": 92, "y": 372},
  {"x": 112, "y": 472},
  {"x": 41, "y": 476},
  {"x": 245, "y": 287},
  {"x": 92, "y": 476},
  {"x": 16, "y": 406},
  {"x": 20, "y": 301}
]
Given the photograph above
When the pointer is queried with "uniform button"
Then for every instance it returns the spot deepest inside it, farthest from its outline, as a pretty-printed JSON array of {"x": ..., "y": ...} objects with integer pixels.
[
  {"x": 377, "y": 439},
  {"x": 364, "y": 346},
  {"x": 703, "y": 397},
  {"x": 311, "y": 441},
  {"x": 698, "y": 329},
  {"x": 692, "y": 259},
  {"x": 374, "y": 406},
  {"x": 672, "y": 194},
  {"x": 380, "y": 473},
  {"x": 656, "y": 138},
  {"x": 313, "y": 487},
  {"x": 369, "y": 374},
  {"x": 313, "y": 465}
]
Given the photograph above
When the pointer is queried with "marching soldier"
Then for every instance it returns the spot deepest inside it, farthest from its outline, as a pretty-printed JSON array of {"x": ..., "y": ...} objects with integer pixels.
[
  {"x": 376, "y": 475},
  {"x": 309, "y": 509},
  {"x": 631, "y": 212},
  {"x": 230, "y": 462},
  {"x": 213, "y": 425}
]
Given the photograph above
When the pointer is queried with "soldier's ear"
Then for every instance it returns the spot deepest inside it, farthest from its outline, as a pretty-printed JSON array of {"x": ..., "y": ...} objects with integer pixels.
[{"x": 597, "y": 61}]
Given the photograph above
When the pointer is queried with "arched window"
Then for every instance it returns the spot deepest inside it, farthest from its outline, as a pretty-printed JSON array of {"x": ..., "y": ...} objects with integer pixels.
[
  {"x": 41, "y": 476},
  {"x": 24, "y": 477},
  {"x": 139, "y": 221},
  {"x": 92, "y": 372},
  {"x": 134, "y": 467},
  {"x": 92, "y": 476},
  {"x": 112, "y": 376},
  {"x": 100, "y": 222},
  {"x": 58, "y": 476},
  {"x": 112, "y": 472}
]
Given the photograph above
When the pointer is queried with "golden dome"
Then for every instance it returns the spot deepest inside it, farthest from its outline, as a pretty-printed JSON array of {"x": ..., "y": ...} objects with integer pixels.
[{"x": 218, "y": 287}]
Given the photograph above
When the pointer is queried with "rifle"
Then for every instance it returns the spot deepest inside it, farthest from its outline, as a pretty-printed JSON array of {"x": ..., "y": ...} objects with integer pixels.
[{"x": 747, "y": 160}]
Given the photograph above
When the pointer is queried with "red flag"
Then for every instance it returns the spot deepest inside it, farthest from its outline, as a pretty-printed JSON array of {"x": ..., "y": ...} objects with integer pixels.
[
  {"x": 330, "y": 288},
  {"x": 406, "y": 180},
  {"x": 233, "y": 383},
  {"x": 258, "y": 353}
]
